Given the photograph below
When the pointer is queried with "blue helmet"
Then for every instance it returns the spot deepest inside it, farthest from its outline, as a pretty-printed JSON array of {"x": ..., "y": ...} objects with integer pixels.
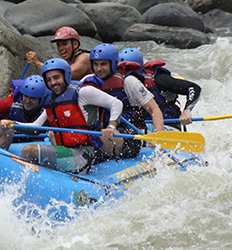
[
  {"x": 57, "y": 64},
  {"x": 34, "y": 86},
  {"x": 16, "y": 85},
  {"x": 106, "y": 52},
  {"x": 131, "y": 54}
]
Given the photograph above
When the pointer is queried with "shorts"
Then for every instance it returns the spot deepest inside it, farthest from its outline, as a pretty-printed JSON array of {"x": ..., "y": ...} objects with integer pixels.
[{"x": 65, "y": 159}]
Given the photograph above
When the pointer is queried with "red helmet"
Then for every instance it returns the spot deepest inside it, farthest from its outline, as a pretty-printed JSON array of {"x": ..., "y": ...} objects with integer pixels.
[{"x": 66, "y": 33}]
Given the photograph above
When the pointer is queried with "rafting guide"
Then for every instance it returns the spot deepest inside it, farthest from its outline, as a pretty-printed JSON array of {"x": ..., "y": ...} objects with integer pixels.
[{"x": 67, "y": 41}]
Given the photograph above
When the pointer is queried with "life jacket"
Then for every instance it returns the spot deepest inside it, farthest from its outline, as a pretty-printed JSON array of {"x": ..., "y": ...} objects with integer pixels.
[
  {"x": 115, "y": 86},
  {"x": 17, "y": 113},
  {"x": 93, "y": 80},
  {"x": 166, "y": 100},
  {"x": 63, "y": 111}
]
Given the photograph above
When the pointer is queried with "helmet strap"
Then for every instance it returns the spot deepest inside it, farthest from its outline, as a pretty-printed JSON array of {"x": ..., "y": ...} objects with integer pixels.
[{"x": 75, "y": 51}]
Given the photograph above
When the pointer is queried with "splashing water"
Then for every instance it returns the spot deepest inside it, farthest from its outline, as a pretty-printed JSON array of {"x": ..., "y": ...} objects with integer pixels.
[{"x": 176, "y": 210}]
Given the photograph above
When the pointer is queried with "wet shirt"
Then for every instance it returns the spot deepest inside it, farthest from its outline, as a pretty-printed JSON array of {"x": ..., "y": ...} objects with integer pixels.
[{"x": 137, "y": 94}]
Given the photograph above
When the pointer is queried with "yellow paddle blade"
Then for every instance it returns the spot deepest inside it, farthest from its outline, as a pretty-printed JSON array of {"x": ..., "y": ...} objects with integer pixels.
[{"x": 187, "y": 141}]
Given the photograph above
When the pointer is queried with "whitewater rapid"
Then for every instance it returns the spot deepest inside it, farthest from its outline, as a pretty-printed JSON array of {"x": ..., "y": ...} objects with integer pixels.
[{"x": 176, "y": 210}]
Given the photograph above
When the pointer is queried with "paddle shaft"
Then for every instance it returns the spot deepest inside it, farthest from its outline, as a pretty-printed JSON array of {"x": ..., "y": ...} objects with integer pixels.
[
  {"x": 130, "y": 125},
  {"x": 196, "y": 119},
  {"x": 29, "y": 136},
  {"x": 24, "y": 70},
  {"x": 69, "y": 130}
]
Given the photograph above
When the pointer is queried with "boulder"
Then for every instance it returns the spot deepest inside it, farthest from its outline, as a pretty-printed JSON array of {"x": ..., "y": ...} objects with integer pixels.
[
  {"x": 15, "y": 1},
  {"x": 183, "y": 38},
  {"x": 207, "y": 5},
  {"x": 43, "y": 17},
  {"x": 71, "y": 1},
  {"x": 112, "y": 19},
  {"x": 13, "y": 47},
  {"x": 173, "y": 15},
  {"x": 142, "y": 5},
  {"x": 220, "y": 21}
]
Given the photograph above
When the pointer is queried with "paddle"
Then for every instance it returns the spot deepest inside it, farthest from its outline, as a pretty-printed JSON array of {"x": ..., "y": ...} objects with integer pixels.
[
  {"x": 168, "y": 153},
  {"x": 187, "y": 141},
  {"x": 132, "y": 126},
  {"x": 29, "y": 136},
  {"x": 16, "y": 83},
  {"x": 196, "y": 119},
  {"x": 24, "y": 71}
]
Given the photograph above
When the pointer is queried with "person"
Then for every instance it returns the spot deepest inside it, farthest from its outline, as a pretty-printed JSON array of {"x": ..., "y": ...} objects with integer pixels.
[
  {"x": 164, "y": 86},
  {"x": 7, "y": 101},
  {"x": 67, "y": 41},
  {"x": 26, "y": 107},
  {"x": 72, "y": 107},
  {"x": 104, "y": 60},
  {"x": 133, "y": 94}
]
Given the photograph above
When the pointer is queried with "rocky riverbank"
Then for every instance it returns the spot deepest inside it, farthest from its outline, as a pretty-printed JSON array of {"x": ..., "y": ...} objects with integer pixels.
[{"x": 29, "y": 24}]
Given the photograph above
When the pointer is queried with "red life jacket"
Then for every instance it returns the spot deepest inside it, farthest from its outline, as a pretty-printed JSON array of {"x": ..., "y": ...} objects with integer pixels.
[
  {"x": 149, "y": 69},
  {"x": 64, "y": 112},
  {"x": 116, "y": 81},
  {"x": 125, "y": 67}
]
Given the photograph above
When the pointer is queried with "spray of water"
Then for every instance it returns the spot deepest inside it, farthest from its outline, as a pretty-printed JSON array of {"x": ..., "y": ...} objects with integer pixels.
[{"x": 175, "y": 210}]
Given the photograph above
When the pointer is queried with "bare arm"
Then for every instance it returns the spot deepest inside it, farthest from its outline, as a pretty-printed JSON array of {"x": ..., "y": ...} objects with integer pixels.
[
  {"x": 81, "y": 67},
  {"x": 140, "y": 96},
  {"x": 157, "y": 117},
  {"x": 32, "y": 58},
  {"x": 38, "y": 122}
]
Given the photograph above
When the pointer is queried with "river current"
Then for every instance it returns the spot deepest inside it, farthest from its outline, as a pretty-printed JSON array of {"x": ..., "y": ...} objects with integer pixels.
[{"x": 173, "y": 211}]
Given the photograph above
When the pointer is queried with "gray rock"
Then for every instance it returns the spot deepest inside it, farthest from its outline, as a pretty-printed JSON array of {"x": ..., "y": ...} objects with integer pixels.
[
  {"x": 206, "y": 5},
  {"x": 219, "y": 21},
  {"x": 90, "y": 1},
  {"x": 15, "y": 1},
  {"x": 218, "y": 18},
  {"x": 112, "y": 19},
  {"x": 13, "y": 47},
  {"x": 71, "y": 1},
  {"x": 43, "y": 17},
  {"x": 3, "y": 7},
  {"x": 173, "y": 14},
  {"x": 142, "y": 5},
  {"x": 88, "y": 42},
  {"x": 183, "y": 38}
]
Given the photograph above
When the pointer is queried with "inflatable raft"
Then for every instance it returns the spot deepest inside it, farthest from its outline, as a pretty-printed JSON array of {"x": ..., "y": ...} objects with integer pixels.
[{"x": 42, "y": 189}]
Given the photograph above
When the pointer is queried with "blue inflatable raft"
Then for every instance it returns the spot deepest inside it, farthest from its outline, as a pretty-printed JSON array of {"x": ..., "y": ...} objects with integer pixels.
[{"x": 40, "y": 189}]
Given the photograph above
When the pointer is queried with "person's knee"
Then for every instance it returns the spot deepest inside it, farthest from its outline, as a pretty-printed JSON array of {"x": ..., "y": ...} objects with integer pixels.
[
  {"x": 6, "y": 137},
  {"x": 31, "y": 153}
]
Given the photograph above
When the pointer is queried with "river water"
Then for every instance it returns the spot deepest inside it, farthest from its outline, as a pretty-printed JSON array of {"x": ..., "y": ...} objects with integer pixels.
[{"x": 174, "y": 211}]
